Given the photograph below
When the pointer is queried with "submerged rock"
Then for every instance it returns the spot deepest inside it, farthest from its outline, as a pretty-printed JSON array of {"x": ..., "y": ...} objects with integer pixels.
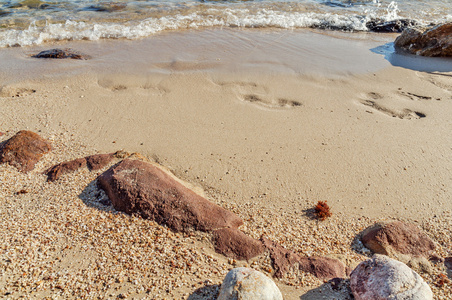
[
  {"x": 24, "y": 150},
  {"x": 390, "y": 26},
  {"x": 248, "y": 284},
  {"x": 107, "y": 6},
  {"x": 137, "y": 187},
  {"x": 60, "y": 54},
  {"x": 382, "y": 278},
  {"x": 432, "y": 41},
  {"x": 284, "y": 260}
]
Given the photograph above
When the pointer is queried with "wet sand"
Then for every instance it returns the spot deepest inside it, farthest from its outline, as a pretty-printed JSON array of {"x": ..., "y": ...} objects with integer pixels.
[{"x": 266, "y": 124}]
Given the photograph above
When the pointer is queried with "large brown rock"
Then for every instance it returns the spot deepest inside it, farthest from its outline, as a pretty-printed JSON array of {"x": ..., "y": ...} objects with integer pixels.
[
  {"x": 233, "y": 243},
  {"x": 24, "y": 150},
  {"x": 284, "y": 260},
  {"x": 136, "y": 187},
  {"x": 434, "y": 41},
  {"x": 397, "y": 238}
]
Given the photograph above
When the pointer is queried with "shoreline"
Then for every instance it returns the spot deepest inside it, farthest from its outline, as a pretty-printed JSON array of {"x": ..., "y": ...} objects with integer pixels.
[{"x": 265, "y": 145}]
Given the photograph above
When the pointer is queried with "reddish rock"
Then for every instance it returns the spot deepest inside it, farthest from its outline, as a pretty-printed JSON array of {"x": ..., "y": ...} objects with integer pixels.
[
  {"x": 59, "y": 170},
  {"x": 93, "y": 162},
  {"x": 284, "y": 260},
  {"x": 397, "y": 237},
  {"x": 98, "y": 161},
  {"x": 24, "y": 150},
  {"x": 233, "y": 243},
  {"x": 136, "y": 187},
  {"x": 434, "y": 41}
]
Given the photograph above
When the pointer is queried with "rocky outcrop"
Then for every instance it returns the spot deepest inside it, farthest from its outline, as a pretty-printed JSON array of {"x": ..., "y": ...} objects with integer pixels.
[
  {"x": 60, "y": 54},
  {"x": 396, "y": 237},
  {"x": 234, "y": 243},
  {"x": 93, "y": 162},
  {"x": 248, "y": 284},
  {"x": 137, "y": 187},
  {"x": 390, "y": 26},
  {"x": 433, "y": 41},
  {"x": 24, "y": 150},
  {"x": 382, "y": 278},
  {"x": 284, "y": 260}
]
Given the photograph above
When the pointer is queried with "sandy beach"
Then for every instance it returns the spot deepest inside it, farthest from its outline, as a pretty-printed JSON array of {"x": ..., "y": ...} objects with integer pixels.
[{"x": 264, "y": 124}]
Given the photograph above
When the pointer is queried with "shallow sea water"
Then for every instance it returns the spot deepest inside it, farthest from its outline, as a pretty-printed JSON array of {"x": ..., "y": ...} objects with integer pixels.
[{"x": 34, "y": 22}]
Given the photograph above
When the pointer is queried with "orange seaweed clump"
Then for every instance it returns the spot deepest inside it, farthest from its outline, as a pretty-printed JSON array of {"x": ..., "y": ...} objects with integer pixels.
[
  {"x": 442, "y": 280},
  {"x": 322, "y": 210}
]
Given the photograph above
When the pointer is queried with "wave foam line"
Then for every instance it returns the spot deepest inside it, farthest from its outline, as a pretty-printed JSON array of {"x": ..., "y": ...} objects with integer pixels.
[{"x": 72, "y": 30}]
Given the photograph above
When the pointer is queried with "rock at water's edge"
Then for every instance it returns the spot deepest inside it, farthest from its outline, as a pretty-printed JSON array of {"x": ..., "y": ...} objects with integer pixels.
[
  {"x": 61, "y": 54},
  {"x": 433, "y": 41}
]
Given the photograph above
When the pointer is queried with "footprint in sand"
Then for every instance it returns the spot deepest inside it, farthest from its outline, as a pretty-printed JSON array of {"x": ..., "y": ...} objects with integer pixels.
[
  {"x": 401, "y": 114},
  {"x": 13, "y": 92},
  {"x": 117, "y": 87},
  {"x": 414, "y": 96},
  {"x": 274, "y": 103},
  {"x": 260, "y": 95}
]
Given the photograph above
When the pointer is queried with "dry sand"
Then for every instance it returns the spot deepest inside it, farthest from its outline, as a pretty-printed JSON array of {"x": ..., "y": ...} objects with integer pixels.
[{"x": 374, "y": 142}]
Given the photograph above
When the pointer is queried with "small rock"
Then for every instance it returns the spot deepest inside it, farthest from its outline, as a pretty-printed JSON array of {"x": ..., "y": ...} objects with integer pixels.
[
  {"x": 234, "y": 243},
  {"x": 93, "y": 162},
  {"x": 24, "y": 150},
  {"x": 391, "y": 238},
  {"x": 382, "y": 278},
  {"x": 60, "y": 54},
  {"x": 430, "y": 41},
  {"x": 248, "y": 284},
  {"x": 390, "y": 26},
  {"x": 284, "y": 260},
  {"x": 59, "y": 170},
  {"x": 137, "y": 187},
  {"x": 98, "y": 161}
]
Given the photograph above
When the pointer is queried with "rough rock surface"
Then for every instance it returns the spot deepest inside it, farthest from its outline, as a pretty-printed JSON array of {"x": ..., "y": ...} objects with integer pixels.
[
  {"x": 382, "y": 278},
  {"x": 24, "y": 150},
  {"x": 93, "y": 162},
  {"x": 283, "y": 260},
  {"x": 390, "y": 26},
  {"x": 233, "y": 243},
  {"x": 397, "y": 238},
  {"x": 248, "y": 284},
  {"x": 433, "y": 41},
  {"x": 136, "y": 187},
  {"x": 60, "y": 54}
]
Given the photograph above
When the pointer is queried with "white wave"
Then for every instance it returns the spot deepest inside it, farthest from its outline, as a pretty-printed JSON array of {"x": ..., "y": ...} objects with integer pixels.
[{"x": 72, "y": 30}]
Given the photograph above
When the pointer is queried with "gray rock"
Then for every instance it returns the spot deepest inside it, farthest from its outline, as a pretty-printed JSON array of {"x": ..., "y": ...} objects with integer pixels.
[
  {"x": 382, "y": 278},
  {"x": 248, "y": 284}
]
